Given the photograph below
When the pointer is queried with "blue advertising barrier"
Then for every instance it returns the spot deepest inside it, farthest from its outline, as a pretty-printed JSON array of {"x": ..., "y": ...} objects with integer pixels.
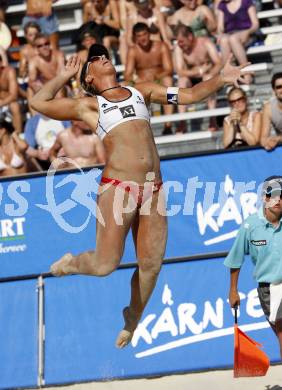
[
  {"x": 41, "y": 218},
  {"x": 18, "y": 334},
  {"x": 187, "y": 326}
]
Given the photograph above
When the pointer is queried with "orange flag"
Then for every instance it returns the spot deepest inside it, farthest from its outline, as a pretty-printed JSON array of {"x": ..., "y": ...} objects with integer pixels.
[{"x": 249, "y": 359}]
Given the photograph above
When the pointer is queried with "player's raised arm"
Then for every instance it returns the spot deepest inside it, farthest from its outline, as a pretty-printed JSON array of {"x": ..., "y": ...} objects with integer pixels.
[{"x": 159, "y": 94}]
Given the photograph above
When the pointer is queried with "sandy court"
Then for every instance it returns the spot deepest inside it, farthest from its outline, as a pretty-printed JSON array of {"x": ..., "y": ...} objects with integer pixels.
[{"x": 213, "y": 380}]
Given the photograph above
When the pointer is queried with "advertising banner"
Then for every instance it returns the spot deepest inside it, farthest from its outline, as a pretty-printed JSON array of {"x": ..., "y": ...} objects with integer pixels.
[
  {"x": 18, "y": 334},
  {"x": 187, "y": 326},
  {"x": 208, "y": 197}
]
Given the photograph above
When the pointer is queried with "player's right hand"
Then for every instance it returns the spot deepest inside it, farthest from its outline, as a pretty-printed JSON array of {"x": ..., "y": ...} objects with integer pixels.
[{"x": 72, "y": 67}]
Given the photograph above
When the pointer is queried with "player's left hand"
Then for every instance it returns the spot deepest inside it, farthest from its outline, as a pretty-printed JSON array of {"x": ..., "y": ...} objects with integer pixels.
[{"x": 234, "y": 74}]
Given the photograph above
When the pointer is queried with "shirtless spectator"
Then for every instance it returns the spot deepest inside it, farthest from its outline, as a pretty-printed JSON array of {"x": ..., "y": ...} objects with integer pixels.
[
  {"x": 28, "y": 51},
  {"x": 105, "y": 15},
  {"x": 146, "y": 12},
  {"x": 80, "y": 145},
  {"x": 196, "y": 59},
  {"x": 9, "y": 95},
  {"x": 40, "y": 12},
  {"x": 272, "y": 115},
  {"x": 40, "y": 133},
  {"x": 45, "y": 65},
  {"x": 151, "y": 60}
]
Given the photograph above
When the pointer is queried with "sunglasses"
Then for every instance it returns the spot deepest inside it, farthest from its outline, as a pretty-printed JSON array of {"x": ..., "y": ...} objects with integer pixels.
[
  {"x": 274, "y": 195},
  {"x": 239, "y": 99},
  {"x": 46, "y": 44},
  {"x": 278, "y": 86},
  {"x": 94, "y": 59}
]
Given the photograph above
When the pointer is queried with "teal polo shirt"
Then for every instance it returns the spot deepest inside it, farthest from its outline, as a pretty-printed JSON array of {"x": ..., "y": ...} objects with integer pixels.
[{"x": 258, "y": 238}]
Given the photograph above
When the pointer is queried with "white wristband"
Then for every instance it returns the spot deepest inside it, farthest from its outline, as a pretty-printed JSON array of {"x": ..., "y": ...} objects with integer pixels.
[{"x": 172, "y": 95}]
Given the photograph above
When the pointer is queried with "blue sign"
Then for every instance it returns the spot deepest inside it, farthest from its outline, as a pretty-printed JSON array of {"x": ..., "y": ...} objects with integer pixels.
[
  {"x": 187, "y": 326},
  {"x": 208, "y": 197},
  {"x": 18, "y": 335}
]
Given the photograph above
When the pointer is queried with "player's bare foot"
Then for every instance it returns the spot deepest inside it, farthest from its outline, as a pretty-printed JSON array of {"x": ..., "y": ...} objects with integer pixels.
[
  {"x": 63, "y": 266},
  {"x": 126, "y": 334}
]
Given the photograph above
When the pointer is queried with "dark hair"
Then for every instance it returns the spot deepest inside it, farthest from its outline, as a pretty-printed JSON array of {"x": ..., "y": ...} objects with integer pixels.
[
  {"x": 236, "y": 89},
  {"x": 41, "y": 35},
  {"x": 6, "y": 125},
  {"x": 138, "y": 27},
  {"x": 89, "y": 89},
  {"x": 183, "y": 30},
  {"x": 275, "y": 77},
  {"x": 32, "y": 25}
]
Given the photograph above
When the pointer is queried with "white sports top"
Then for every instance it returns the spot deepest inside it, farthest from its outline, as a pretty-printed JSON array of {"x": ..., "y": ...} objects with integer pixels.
[{"x": 112, "y": 113}]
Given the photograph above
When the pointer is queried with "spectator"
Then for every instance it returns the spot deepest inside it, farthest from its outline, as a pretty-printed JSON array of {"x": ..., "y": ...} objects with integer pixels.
[
  {"x": 40, "y": 12},
  {"x": 28, "y": 51},
  {"x": 87, "y": 40},
  {"x": 79, "y": 144},
  {"x": 199, "y": 18},
  {"x": 241, "y": 127},
  {"x": 12, "y": 148},
  {"x": 40, "y": 134},
  {"x": 146, "y": 12},
  {"x": 196, "y": 59},
  {"x": 45, "y": 65},
  {"x": 126, "y": 9},
  {"x": 167, "y": 7},
  {"x": 152, "y": 62},
  {"x": 272, "y": 115},
  {"x": 237, "y": 22},
  {"x": 105, "y": 17},
  {"x": 9, "y": 95},
  {"x": 5, "y": 38},
  {"x": 3, "y": 56}
]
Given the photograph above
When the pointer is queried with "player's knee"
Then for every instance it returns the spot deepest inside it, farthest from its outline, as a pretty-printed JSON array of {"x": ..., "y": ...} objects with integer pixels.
[
  {"x": 105, "y": 269},
  {"x": 150, "y": 265},
  {"x": 107, "y": 266}
]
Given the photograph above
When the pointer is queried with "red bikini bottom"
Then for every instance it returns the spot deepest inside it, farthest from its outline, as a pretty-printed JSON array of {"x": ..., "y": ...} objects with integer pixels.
[{"x": 140, "y": 193}]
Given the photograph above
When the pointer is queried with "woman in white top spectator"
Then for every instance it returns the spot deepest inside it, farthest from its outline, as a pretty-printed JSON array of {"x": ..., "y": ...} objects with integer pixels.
[
  {"x": 241, "y": 127},
  {"x": 12, "y": 148}
]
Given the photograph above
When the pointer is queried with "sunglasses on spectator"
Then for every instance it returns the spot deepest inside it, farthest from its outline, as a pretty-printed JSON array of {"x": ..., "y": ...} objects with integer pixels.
[
  {"x": 278, "y": 86},
  {"x": 239, "y": 99},
  {"x": 274, "y": 194},
  {"x": 46, "y": 44}
]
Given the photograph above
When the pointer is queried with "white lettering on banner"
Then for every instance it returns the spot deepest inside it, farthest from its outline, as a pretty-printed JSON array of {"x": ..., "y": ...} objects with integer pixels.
[
  {"x": 233, "y": 205},
  {"x": 11, "y": 227},
  {"x": 20, "y": 205},
  {"x": 12, "y": 248},
  {"x": 175, "y": 325}
]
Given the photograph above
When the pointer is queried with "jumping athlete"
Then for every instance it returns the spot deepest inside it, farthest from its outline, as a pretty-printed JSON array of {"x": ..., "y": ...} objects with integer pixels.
[{"x": 120, "y": 117}]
